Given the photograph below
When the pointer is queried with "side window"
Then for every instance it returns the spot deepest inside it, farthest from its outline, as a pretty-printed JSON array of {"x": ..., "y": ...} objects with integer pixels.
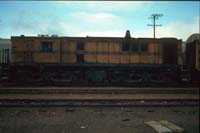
[
  {"x": 47, "y": 47},
  {"x": 29, "y": 43},
  {"x": 135, "y": 47},
  {"x": 144, "y": 47},
  {"x": 80, "y": 46},
  {"x": 125, "y": 46}
]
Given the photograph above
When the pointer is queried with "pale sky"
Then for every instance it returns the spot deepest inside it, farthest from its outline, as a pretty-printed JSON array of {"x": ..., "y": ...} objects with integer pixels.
[{"x": 98, "y": 18}]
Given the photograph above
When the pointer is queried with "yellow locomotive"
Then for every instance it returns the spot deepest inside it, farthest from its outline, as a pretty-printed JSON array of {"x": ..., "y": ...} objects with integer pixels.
[
  {"x": 98, "y": 50},
  {"x": 95, "y": 60}
]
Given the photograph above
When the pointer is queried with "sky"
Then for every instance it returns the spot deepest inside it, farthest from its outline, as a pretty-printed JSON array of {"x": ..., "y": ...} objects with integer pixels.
[{"x": 99, "y": 18}]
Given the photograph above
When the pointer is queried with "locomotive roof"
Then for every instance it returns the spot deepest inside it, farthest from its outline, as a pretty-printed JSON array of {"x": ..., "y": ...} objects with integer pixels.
[{"x": 89, "y": 38}]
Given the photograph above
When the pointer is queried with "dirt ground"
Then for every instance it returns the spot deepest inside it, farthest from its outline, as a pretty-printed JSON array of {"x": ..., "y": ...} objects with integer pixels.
[{"x": 95, "y": 119}]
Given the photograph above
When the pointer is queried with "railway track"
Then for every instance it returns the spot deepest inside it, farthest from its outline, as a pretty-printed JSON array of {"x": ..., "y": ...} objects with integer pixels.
[
  {"x": 96, "y": 102},
  {"x": 93, "y": 91},
  {"x": 95, "y": 97}
]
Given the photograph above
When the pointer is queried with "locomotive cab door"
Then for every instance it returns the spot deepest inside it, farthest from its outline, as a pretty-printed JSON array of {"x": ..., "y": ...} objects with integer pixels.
[{"x": 170, "y": 54}]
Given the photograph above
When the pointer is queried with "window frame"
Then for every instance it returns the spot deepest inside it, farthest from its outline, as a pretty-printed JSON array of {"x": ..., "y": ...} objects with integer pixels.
[
  {"x": 47, "y": 50},
  {"x": 125, "y": 46},
  {"x": 29, "y": 43},
  {"x": 80, "y": 45}
]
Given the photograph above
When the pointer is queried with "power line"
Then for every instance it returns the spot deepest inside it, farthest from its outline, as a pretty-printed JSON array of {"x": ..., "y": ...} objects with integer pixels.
[{"x": 154, "y": 17}]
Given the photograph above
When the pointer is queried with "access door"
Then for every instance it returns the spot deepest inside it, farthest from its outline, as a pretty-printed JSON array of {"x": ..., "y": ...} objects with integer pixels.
[{"x": 170, "y": 53}]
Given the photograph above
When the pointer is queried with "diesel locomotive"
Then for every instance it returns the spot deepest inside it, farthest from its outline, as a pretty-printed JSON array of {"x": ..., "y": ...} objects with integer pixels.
[{"x": 88, "y": 60}]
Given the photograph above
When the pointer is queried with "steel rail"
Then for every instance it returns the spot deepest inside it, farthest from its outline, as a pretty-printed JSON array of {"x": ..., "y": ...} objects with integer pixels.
[
  {"x": 47, "y": 91},
  {"x": 97, "y": 102}
]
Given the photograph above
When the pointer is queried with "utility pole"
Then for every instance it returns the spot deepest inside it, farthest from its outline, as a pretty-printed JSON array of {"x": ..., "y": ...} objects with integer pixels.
[{"x": 154, "y": 17}]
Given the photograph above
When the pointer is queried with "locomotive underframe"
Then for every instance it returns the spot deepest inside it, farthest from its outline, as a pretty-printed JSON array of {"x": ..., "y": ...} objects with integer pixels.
[{"x": 94, "y": 74}]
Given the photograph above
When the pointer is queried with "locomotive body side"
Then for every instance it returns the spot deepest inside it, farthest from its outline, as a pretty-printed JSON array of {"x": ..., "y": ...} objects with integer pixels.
[
  {"x": 96, "y": 50},
  {"x": 95, "y": 60}
]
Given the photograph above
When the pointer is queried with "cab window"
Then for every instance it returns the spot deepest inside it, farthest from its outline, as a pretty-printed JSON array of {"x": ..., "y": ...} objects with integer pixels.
[{"x": 47, "y": 47}]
